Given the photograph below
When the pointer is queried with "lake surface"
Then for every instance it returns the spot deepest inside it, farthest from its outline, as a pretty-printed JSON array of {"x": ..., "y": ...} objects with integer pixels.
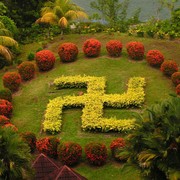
[{"x": 148, "y": 8}]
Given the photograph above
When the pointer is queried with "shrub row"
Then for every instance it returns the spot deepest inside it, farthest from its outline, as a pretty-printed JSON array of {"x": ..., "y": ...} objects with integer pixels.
[{"x": 93, "y": 102}]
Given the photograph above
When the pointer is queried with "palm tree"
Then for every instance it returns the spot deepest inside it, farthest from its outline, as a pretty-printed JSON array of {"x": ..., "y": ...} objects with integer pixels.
[
  {"x": 14, "y": 155},
  {"x": 61, "y": 12}
]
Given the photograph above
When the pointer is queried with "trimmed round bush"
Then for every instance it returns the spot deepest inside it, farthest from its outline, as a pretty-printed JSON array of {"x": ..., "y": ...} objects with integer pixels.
[
  {"x": 48, "y": 146},
  {"x": 155, "y": 58},
  {"x": 68, "y": 52},
  {"x": 169, "y": 67},
  {"x": 5, "y": 108},
  {"x": 117, "y": 146},
  {"x": 92, "y": 48},
  {"x": 114, "y": 48},
  {"x": 30, "y": 139},
  {"x": 6, "y": 94},
  {"x": 176, "y": 78},
  {"x": 69, "y": 153},
  {"x": 135, "y": 50},
  {"x": 96, "y": 153},
  {"x": 4, "y": 120},
  {"x": 45, "y": 60},
  {"x": 26, "y": 70},
  {"x": 178, "y": 89},
  {"x": 12, "y": 81}
]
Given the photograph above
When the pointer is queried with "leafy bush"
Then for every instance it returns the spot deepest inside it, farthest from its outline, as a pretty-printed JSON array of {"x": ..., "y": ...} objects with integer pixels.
[
  {"x": 31, "y": 56},
  {"x": 96, "y": 153},
  {"x": 26, "y": 70},
  {"x": 30, "y": 139},
  {"x": 69, "y": 153},
  {"x": 169, "y": 67},
  {"x": 5, "y": 108},
  {"x": 92, "y": 48},
  {"x": 155, "y": 58},
  {"x": 45, "y": 60},
  {"x": 12, "y": 80},
  {"x": 178, "y": 89},
  {"x": 10, "y": 125},
  {"x": 4, "y": 120},
  {"x": 135, "y": 50},
  {"x": 114, "y": 48},
  {"x": 176, "y": 78},
  {"x": 116, "y": 147},
  {"x": 48, "y": 146},
  {"x": 68, "y": 52},
  {"x": 6, "y": 94}
]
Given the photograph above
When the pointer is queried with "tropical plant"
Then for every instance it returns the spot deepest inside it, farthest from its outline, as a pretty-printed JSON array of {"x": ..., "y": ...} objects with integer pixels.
[
  {"x": 60, "y": 12},
  {"x": 14, "y": 156},
  {"x": 153, "y": 150}
]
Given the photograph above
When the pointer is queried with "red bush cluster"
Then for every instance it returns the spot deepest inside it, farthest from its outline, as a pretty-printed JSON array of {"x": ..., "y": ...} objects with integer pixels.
[
  {"x": 11, "y": 80},
  {"x": 96, "y": 153},
  {"x": 169, "y": 67},
  {"x": 68, "y": 52},
  {"x": 92, "y": 48},
  {"x": 135, "y": 50},
  {"x": 10, "y": 125},
  {"x": 48, "y": 146},
  {"x": 5, "y": 108},
  {"x": 6, "y": 94},
  {"x": 30, "y": 139},
  {"x": 69, "y": 153},
  {"x": 45, "y": 60},
  {"x": 114, "y": 48},
  {"x": 155, "y": 58},
  {"x": 26, "y": 70},
  {"x": 178, "y": 89},
  {"x": 176, "y": 78},
  {"x": 4, "y": 120}
]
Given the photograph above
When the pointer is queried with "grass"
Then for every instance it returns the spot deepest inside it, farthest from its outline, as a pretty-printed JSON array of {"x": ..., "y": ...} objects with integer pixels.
[{"x": 30, "y": 102}]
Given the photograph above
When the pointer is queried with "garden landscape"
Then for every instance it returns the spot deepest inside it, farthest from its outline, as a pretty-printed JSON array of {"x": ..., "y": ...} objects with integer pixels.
[{"x": 97, "y": 99}]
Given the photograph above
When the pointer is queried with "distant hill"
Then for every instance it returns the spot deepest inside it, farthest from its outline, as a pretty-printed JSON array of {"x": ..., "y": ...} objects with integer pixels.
[{"x": 148, "y": 8}]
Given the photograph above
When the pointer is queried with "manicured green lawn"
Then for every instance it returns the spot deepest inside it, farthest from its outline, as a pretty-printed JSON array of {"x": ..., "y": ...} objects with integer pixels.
[{"x": 30, "y": 102}]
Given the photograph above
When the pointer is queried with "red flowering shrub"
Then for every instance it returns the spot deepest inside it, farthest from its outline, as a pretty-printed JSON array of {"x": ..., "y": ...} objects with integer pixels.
[
  {"x": 96, "y": 153},
  {"x": 114, "y": 48},
  {"x": 116, "y": 147},
  {"x": 30, "y": 139},
  {"x": 178, "y": 89},
  {"x": 68, "y": 52},
  {"x": 5, "y": 108},
  {"x": 12, "y": 80},
  {"x": 45, "y": 60},
  {"x": 26, "y": 70},
  {"x": 6, "y": 94},
  {"x": 92, "y": 48},
  {"x": 135, "y": 50},
  {"x": 155, "y": 58},
  {"x": 169, "y": 67},
  {"x": 48, "y": 146},
  {"x": 10, "y": 125},
  {"x": 176, "y": 78},
  {"x": 4, "y": 120},
  {"x": 69, "y": 153}
]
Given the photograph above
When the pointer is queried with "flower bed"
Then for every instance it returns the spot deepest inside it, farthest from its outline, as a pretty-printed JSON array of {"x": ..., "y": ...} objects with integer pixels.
[{"x": 114, "y": 48}]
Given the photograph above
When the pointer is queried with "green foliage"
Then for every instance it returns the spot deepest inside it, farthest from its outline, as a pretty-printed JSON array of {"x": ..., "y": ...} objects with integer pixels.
[
  {"x": 154, "y": 148},
  {"x": 6, "y": 94},
  {"x": 31, "y": 56},
  {"x": 3, "y": 9}
]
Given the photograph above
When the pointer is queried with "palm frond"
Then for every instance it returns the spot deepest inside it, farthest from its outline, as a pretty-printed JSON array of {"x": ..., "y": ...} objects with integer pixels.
[
  {"x": 8, "y": 41},
  {"x": 5, "y": 53},
  {"x": 5, "y": 32},
  {"x": 49, "y": 18},
  {"x": 58, "y": 11},
  {"x": 146, "y": 156},
  {"x": 2, "y": 25},
  {"x": 63, "y": 22}
]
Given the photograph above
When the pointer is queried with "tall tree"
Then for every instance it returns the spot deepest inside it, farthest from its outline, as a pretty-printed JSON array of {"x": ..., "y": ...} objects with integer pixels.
[{"x": 14, "y": 155}]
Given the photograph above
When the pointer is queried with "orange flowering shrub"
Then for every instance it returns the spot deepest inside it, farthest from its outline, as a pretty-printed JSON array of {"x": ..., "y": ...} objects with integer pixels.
[
  {"x": 6, "y": 94},
  {"x": 68, "y": 52},
  {"x": 5, "y": 108},
  {"x": 10, "y": 125},
  {"x": 92, "y": 48},
  {"x": 135, "y": 50},
  {"x": 114, "y": 48},
  {"x": 169, "y": 67},
  {"x": 96, "y": 153},
  {"x": 45, "y": 60},
  {"x": 26, "y": 70},
  {"x": 178, "y": 89},
  {"x": 176, "y": 78},
  {"x": 48, "y": 146},
  {"x": 69, "y": 153},
  {"x": 4, "y": 120},
  {"x": 11, "y": 80},
  {"x": 155, "y": 58}
]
